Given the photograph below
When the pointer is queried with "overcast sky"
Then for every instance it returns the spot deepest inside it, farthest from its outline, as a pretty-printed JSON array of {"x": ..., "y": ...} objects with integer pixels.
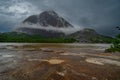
[{"x": 101, "y": 15}]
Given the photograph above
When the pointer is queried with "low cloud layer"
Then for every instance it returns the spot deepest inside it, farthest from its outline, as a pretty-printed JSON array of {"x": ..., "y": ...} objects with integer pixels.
[
  {"x": 67, "y": 30},
  {"x": 101, "y": 15}
]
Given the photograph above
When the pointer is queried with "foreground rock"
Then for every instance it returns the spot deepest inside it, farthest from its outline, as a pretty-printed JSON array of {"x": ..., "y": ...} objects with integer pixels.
[
  {"x": 102, "y": 61},
  {"x": 54, "y": 61},
  {"x": 66, "y": 62}
]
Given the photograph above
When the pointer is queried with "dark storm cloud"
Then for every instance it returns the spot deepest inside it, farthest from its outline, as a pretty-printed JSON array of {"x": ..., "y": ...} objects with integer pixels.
[{"x": 102, "y": 15}]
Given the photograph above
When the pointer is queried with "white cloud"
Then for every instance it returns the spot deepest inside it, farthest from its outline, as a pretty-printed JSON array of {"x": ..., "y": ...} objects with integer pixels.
[{"x": 67, "y": 31}]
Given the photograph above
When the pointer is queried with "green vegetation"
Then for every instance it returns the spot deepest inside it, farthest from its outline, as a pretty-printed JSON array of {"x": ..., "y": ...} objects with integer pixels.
[
  {"x": 25, "y": 38},
  {"x": 21, "y": 37},
  {"x": 115, "y": 45}
]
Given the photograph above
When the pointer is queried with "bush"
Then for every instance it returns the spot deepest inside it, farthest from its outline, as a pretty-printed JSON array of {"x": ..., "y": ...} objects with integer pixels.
[
  {"x": 21, "y": 37},
  {"x": 115, "y": 47}
]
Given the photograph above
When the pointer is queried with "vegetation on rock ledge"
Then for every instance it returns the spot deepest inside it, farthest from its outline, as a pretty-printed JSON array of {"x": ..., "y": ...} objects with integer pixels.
[{"x": 115, "y": 47}]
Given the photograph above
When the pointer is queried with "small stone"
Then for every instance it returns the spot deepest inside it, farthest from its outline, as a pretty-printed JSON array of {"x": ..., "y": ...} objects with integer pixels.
[
  {"x": 54, "y": 61},
  {"x": 94, "y": 78}
]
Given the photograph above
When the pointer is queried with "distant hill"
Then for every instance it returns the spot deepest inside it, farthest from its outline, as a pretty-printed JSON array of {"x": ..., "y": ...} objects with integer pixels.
[
  {"x": 90, "y": 36},
  {"x": 72, "y": 38}
]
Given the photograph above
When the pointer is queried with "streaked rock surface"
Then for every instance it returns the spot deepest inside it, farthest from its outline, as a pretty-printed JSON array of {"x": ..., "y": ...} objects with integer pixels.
[{"x": 58, "y": 62}]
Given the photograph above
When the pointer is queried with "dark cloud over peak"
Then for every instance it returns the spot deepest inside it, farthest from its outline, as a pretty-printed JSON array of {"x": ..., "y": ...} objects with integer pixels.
[{"x": 102, "y": 15}]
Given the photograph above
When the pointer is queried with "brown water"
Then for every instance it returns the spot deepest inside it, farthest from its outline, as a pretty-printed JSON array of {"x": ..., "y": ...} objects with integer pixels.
[{"x": 25, "y": 61}]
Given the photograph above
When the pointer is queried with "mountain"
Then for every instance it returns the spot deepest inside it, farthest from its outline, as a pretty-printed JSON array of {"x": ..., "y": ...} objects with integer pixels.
[
  {"x": 90, "y": 36},
  {"x": 48, "y": 18},
  {"x": 47, "y": 23}
]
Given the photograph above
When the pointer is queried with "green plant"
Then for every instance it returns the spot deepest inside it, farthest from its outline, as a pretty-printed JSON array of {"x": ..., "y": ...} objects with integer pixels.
[
  {"x": 21, "y": 37},
  {"x": 115, "y": 45}
]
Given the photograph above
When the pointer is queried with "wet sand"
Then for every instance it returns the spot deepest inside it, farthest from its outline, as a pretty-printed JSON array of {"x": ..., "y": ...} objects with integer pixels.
[{"x": 58, "y": 62}]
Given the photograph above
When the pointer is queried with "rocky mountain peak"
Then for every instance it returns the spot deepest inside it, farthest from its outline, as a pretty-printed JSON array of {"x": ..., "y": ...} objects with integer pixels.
[
  {"x": 50, "y": 12},
  {"x": 48, "y": 18}
]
